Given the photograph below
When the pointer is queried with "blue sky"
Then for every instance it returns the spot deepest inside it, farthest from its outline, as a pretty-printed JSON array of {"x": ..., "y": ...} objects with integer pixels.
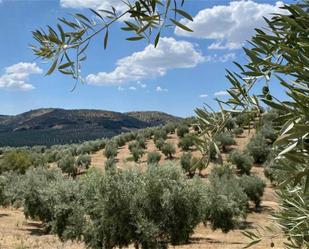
[{"x": 186, "y": 71}]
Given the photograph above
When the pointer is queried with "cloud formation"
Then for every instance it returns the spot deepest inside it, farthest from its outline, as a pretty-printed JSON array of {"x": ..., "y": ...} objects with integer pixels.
[
  {"x": 94, "y": 4},
  {"x": 150, "y": 63},
  {"x": 221, "y": 93},
  {"x": 16, "y": 77},
  {"x": 160, "y": 89},
  {"x": 230, "y": 25},
  {"x": 204, "y": 95}
]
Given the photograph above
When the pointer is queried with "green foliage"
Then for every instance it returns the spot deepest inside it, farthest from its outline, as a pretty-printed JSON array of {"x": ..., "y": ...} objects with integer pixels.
[
  {"x": 186, "y": 142},
  {"x": 170, "y": 128},
  {"x": 159, "y": 143},
  {"x": 110, "y": 164},
  {"x": 160, "y": 134},
  {"x": 168, "y": 149},
  {"x": 226, "y": 199},
  {"x": 253, "y": 187},
  {"x": 153, "y": 158},
  {"x": 268, "y": 132},
  {"x": 73, "y": 35},
  {"x": 243, "y": 119},
  {"x": 186, "y": 162},
  {"x": 16, "y": 160},
  {"x": 238, "y": 131},
  {"x": 67, "y": 165},
  {"x": 224, "y": 140},
  {"x": 164, "y": 208},
  {"x": 292, "y": 216},
  {"x": 54, "y": 200},
  {"x": 12, "y": 189},
  {"x": 111, "y": 150},
  {"x": 137, "y": 153},
  {"x": 230, "y": 124},
  {"x": 182, "y": 130},
  {"x": 242, "y": 161},
  {"x": 83, "y": 161},
  {"x": 190, "y": 164},
  {"x": 141, "y": 140},
  {"x": 258, "y": 148}
]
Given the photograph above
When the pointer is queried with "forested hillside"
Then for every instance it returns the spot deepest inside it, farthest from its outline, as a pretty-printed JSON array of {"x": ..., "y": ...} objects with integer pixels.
[{"x": 59, "y": 126}]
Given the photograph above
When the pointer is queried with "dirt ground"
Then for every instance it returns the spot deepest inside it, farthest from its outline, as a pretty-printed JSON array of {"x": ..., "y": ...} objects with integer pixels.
[{"x": 18, "y": 233}]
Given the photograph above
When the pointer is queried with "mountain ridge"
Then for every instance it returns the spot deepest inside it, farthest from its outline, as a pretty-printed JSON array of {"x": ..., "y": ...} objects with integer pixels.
[{"x": 48, "y": 126}]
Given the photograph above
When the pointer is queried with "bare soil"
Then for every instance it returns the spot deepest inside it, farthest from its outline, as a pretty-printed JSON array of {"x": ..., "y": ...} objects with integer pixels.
[{"x": 16, "y": 232}]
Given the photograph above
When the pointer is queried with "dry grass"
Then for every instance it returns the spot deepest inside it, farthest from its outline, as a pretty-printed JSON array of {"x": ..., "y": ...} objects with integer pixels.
[{"x": 18, "y": 233}]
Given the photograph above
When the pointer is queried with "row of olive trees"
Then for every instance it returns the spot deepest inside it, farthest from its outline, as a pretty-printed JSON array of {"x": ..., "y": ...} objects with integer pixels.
[
  {"x": 147, "y": 209},
  {"x": 277, "y": 56}
]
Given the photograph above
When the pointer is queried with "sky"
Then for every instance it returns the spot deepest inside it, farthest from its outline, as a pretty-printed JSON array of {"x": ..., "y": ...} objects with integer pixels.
[{"x": 183, "y": 72}]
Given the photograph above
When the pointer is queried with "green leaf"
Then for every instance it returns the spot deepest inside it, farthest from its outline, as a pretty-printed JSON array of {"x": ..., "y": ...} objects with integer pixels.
[
  {"x": 184, "y": 14},
  {"x": 180, "y": 25},
  {"x": 157, "y": 40},
  {"x": 53, "y": 67},
  {"x": 106, "y": 39},
  {"x": 135, "y": 38}
]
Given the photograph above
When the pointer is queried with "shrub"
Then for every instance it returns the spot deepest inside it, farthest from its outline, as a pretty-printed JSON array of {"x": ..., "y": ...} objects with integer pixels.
[
  {"x": 168, "y": 150},
  {"x": 238, "y": 131},
  {"x": 268, "y": 132},
  {"x": 186, "y": 142},
  {"x": 198, "y": 163},
  {"x": 170, "y": 128},
  {"x": 242, "y": 161},
  {"x": 160, "y": 134},
  {"x": 141, "y": 142},
  {"x": 137, "y": 153},
  {"x": 110, "y": 164},
  {"x": 182, "y": 130},
  {"x": 226, "y": 200},
  {"x": 56, "y": 201},
  {"x": 12, "y": 189},
  {"x": 253, "y": 187},
  {"x": 154, "y": 218},
  {"x": 153, "y": 158},
  {"x": 190, "y": 164},
  {"x": 110, "y": 150},
  {"x": 258, "y": 148},
  {"x": 133, "y": 145},
  {"x": 186, "y": 162},
  {"x": 224, "y": 140},
  {"x": 16, "y": 160},
  {"x": 67, "y": 165},
  {"x": 159, "y": 143},
  {"x": 83, "y": 161},
  {"x": 120, "y": 141},
  {"x": 243, "y": 119},
  {"x": 230, "y": 124}
]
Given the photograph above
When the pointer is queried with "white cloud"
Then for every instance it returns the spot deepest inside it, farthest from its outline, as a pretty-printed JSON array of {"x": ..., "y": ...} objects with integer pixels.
[
  {"x": 142, "y": 85},
  {"x": 132, "y": 88},
  {"x": 15, "y": 77},
  {"x": 221, "y": 93},
  {"x": 160, "y": 89},
  {"x": 94, "y": 4},
  {"x": 120, "y": 88},
  {"x": 230, "y": 25},
  {"x": 150, "y": 63},
  {"x": 204, "y": 95},
  {"x": 220, "y": 58}
]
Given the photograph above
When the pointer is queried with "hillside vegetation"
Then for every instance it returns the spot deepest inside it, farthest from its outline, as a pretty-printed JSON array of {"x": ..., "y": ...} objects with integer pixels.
[
  {"x": 154, "y": 166},
  {"x": 58, "y": 126}
]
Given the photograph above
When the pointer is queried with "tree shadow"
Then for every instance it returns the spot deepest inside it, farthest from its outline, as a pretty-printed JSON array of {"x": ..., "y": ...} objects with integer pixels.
[
  {"x": 35, "y": 229},
  {"x": 245, "y": 225}
]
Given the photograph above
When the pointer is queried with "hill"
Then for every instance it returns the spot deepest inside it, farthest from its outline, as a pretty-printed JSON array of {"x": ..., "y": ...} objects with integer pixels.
[{"x": 58, "y": 126}]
